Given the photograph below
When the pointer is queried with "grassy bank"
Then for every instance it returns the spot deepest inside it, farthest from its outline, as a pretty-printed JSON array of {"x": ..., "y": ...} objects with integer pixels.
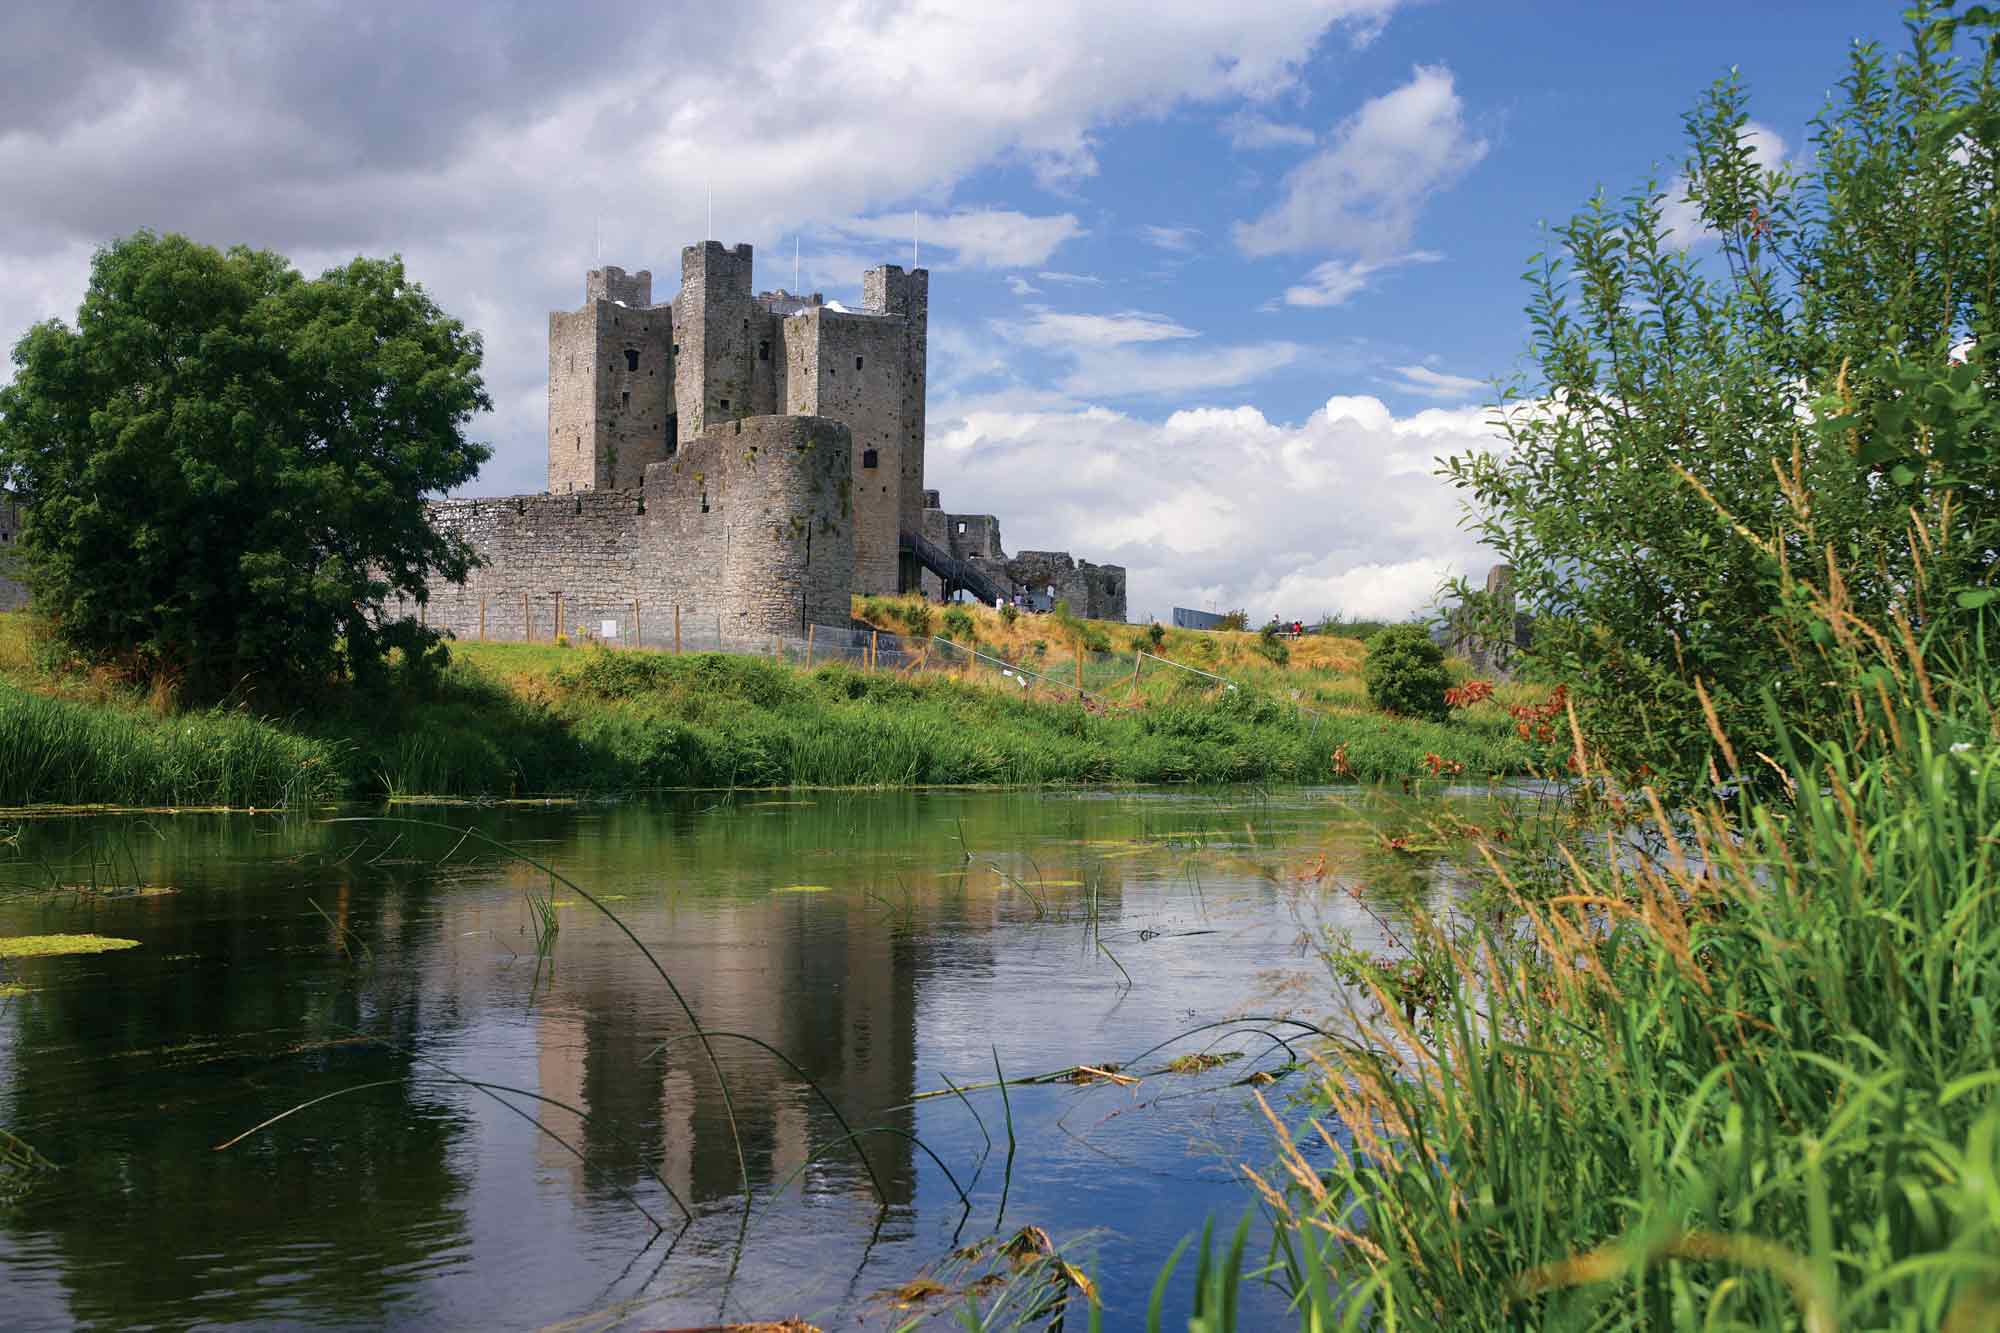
[{"x": 513, "y": 719}]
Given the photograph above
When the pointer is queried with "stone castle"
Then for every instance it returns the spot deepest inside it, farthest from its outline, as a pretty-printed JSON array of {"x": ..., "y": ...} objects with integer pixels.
[{"x": 751, "y": 458}]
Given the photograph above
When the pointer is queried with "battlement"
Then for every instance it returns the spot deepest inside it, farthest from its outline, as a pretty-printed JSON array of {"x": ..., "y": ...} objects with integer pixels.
[
  {"x": 714, "y": 269},
  {"x": 612, "y": 283},
  {"x": 888, "y": 290}
]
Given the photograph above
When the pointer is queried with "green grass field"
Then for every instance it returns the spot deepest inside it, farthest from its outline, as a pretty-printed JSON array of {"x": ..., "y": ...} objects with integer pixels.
[{"x": 522, "y": 719}]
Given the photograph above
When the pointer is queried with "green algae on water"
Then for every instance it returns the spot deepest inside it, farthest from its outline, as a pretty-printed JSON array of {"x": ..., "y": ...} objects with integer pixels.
[{"x": 52, "y": 946}]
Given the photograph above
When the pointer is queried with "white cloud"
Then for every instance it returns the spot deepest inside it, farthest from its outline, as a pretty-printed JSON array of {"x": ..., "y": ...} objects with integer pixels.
[
  {"x": 1428, "y": 383},
  {"x": 1178, "y": 240},
  {"x": 1072, "y": 279},
  {"x": 1247, "y": 130},
  {"x": 489, "y": 153},
  {"x": 1020, "y": 286},
  {"x": 1128, "y": 372},
  {"x": 1680, "y": 218},
  {"x": 1048, "y": 330},
  {"x": 1338, "y": 280},
  {"x": 1223, "y": 504},
  {"x": 1361, "y": 194},
  {"x": 978, "y": 238}
]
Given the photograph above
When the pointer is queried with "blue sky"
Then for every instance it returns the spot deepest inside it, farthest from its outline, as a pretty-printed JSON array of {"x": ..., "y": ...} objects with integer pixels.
[{"x": 1212, "y": 285}]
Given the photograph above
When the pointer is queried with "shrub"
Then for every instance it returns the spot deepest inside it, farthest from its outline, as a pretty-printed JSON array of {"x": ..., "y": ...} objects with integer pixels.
[
  {"x": 1009, "y": 613},
  {"x": 1271, "y": 647},
  {"x": 1156, "y": 634},
  {"x": 1845, "y": 353},
  {"x": 1238, "y": 619},
  {"x": 1405, "y": 673},
  {"x": 958, "y": 625}
]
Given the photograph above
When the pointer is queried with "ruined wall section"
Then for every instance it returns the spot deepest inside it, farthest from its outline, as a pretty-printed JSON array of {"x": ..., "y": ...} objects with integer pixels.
[
  {"x": 754, "y": 521},
  {"x": 974, "y": 537},
  {"x": 583, "y": 546},
  {"x": 13, "y": 592},
  {"x": 611, "y": 385},
  {"x": 1095, "y": 592}
]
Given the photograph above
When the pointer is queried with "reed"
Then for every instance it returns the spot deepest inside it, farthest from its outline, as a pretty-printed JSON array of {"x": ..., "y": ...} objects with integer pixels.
[{"x": 1738, "y": 1072}]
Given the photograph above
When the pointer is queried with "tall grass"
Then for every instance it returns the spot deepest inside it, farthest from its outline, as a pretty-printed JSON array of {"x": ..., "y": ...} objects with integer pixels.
[
  {"x": 55, "y": 751},
  {"x": 1745, "y": 1082}
]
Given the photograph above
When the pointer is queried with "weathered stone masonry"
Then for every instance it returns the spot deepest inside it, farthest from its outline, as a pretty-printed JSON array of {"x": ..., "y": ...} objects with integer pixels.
[
  {"x": 749, "y": 528},
  {"x": 656, "y": 410}
]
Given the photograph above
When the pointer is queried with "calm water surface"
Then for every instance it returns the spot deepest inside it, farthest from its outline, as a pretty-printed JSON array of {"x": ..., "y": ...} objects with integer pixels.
[{"x": 882, "y": 942}]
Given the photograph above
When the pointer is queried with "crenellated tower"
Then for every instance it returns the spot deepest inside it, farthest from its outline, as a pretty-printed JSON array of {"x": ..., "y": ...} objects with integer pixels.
[{"x": 611, "y": 385}]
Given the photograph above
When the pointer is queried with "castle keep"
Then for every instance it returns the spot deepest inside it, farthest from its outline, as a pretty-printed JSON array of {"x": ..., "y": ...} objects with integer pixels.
[{"x": 751, "y": 458}]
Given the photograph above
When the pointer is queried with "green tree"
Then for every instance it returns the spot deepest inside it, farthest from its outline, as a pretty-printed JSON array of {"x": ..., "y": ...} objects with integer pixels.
[
  {"x": 224, "y": 463},
  {"x": 1714, "y": 429},
  {"x": 1405, "y": 673}
]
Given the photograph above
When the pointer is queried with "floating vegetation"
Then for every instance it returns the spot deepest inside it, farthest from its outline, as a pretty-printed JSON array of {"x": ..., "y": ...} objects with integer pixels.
[
  {"x": 1200, "y": 1062},
  {"x": 20, "y": 1166},
  {"x": 119, "y": 891},
  {"x": 54, "y": 946}
]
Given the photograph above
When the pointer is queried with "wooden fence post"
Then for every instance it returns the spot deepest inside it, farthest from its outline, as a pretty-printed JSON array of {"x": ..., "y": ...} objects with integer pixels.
[
  {"x": 638, "y": 638},
  {"x": 1137, "y": 659},
  {"x": 809, "y": 645},
  {"x": 559, "y": 624},
  {"x": 527, "y": 620},
  {"x": 677, "y": 628},
  {"x": 874, "y": 648},
  {"x": 1079, "y": 668},
  {"x": 482, "y": 617}
]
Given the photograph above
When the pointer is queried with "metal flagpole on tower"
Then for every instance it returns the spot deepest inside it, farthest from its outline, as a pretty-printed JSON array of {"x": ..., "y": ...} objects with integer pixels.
[
  {"x": 711, "y": 216},
  {"x": 913, "y": 240},
  {"x": 795, "y": 263}
]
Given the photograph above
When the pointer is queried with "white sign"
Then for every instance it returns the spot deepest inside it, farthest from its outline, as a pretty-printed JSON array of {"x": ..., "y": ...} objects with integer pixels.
[{"x": 610, "y": 630}]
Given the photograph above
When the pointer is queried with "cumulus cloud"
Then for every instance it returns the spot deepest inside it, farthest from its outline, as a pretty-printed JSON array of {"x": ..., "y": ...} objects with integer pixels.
[
  {"x": 1339, "y": 512},
  {"x": 1428, "y": 383},
  {"x": 1336, "y": 281},
  {"x": 1680, "y": 217},
  {"x": 1248, "y": 130},
  {"x": 1362, "y": 193},
  {"x": 492, "y": 146}
]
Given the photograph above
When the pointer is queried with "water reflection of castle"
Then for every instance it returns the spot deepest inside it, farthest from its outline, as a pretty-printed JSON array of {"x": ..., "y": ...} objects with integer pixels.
[{"x": 838, "y": 996}]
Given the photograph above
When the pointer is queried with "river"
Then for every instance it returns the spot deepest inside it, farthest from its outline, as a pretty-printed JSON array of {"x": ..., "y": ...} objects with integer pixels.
[{"x": 883, "y": 942}]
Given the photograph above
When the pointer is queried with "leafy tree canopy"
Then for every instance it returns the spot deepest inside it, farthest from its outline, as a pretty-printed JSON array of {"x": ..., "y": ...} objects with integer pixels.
[
  {"x": 1796, "y": 404},
  {"x": 224, "y": 463}
]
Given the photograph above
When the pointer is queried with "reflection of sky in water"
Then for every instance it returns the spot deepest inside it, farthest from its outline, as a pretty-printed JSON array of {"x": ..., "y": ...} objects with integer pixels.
[{"x": 883, "y": 941}]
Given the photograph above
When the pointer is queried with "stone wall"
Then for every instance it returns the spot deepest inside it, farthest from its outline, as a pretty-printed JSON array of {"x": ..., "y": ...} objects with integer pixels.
[
  {"x": 13, "y": 594},
  {"x": 582, "y": 548},
  {"x": 748, "y": 530},
  {"x": 756, "y": 521},
  {"x": 1095, "y": 592}
]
